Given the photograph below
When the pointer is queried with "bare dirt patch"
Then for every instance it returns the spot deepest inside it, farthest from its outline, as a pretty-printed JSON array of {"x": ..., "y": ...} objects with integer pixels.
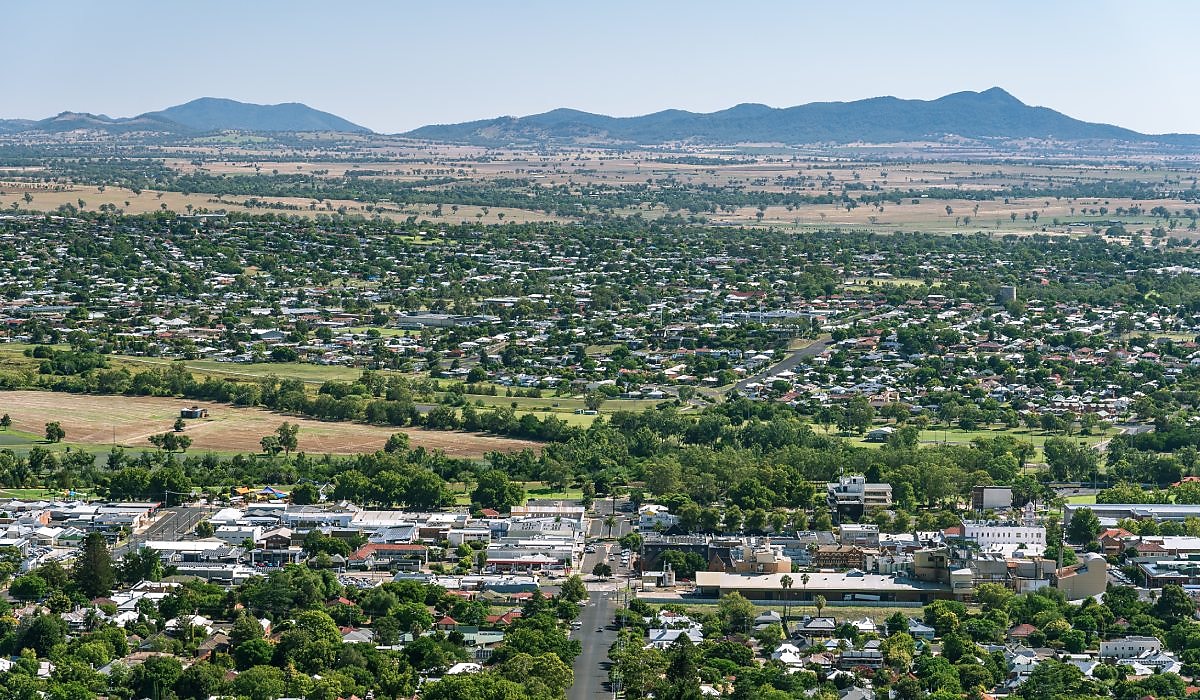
[{"x": 129, "y": 420}]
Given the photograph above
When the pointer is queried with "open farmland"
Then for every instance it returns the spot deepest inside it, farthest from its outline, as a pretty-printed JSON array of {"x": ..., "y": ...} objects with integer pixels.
[
  {"x": 129, "y": 421},
  {"x": 51, "y": 198}
]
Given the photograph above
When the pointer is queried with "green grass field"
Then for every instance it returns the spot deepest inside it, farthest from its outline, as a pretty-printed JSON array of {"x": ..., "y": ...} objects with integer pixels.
[
  {"x": 533, "y": 489},
  {"x": 957, "y": 436}
]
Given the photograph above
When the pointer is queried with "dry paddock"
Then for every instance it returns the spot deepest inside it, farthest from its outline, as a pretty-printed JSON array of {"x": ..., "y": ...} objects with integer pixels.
[{"x": 130, "y": 420}]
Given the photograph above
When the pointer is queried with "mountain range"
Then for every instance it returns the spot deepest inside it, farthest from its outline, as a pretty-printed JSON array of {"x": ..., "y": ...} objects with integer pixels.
[
  {"x": 207, "y": 114},
  {"x": 991, "y": 114}
]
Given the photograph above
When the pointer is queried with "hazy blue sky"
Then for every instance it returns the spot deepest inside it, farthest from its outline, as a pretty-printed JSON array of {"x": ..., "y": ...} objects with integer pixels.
[{"x": 392, "y": 66}]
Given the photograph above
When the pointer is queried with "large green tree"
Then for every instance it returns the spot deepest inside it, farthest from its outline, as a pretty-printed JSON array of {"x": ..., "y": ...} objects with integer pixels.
[
  {"x": 93, "y": 571},
  {"x": 495, "y": 490}
]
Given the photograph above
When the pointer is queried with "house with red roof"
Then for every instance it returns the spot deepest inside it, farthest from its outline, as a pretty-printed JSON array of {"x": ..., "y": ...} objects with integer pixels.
[{"x": 503, "y": 620}]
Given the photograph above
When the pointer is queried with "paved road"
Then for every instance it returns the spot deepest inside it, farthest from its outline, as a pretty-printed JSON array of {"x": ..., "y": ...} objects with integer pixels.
[
  {"x": 172, "y": 524},
  {"x": 1126, "y": 429},
  {"x": 603, "y": 509},
  {"x": 787, "y": 363},
  {"x": 591, "y": 666}
]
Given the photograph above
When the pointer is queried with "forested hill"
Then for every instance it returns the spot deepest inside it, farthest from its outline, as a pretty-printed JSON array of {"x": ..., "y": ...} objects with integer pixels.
[
  {"x": 214, "y": 114},
  {"x": 991, "y": 114},
  {"x": 207, "y": 114}
]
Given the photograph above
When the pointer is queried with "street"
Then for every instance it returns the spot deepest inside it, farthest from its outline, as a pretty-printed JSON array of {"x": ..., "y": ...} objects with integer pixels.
[
  {"x": 172, "y": 524},
  {"x": 787, "y": 363},
  {"x": 591, "y": 666}
]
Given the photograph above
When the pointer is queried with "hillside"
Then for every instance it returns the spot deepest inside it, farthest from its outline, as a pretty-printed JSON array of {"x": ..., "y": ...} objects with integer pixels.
[
  {"x": 207, "y": 114},
  {"x": 215, "y": 114},
  {"x": 991, "y": 114}
]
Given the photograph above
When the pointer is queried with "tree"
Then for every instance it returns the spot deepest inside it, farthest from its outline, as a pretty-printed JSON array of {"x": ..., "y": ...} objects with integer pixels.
[
  {"x": 1052, "y": 679},
  {"x": 602, "y": 570},
  {"x": 993, "y": 596},
  {"x": 200, "y": 681},
  {"x": 1070, "y": 460},
  {"x": 93, "y": 571},
  {"x": 573, "y": 589},
  {"x": 663, "y": 476},
  {"x": 5, "y": 422},
  {"x": 1084, "y": 526},
  {"x": 770, "y": 636},
  {"x": 305, "y": 494},
  {"x": 252, "y": 652},
  {"x": 287, "y": 433},
  {"x": 495, "y": 490},
  {"x": 736, "y": 613},
  {"x": 262, "y": 681},
  {"x": 542, "y": 676},
  {"x": 785, "y": 583},
  {"x": 143, "y": 564},
  {"x": 898, "y": 650},
  {"x": 474, "y": 686},
  {"x": 819, "y": 602},
  {"x": 1174, "y": 604},
  {"x": 179, "y": 425},
  {"x": 29, "y": 587},
  {"x": 897, "y": 623},
  {"x": 156, "y": 676},
  {"x": 55, "y": 432},
  {"x": 270, "y": 445},
  {"x": 593, "y": 400},
  {"x": 396, "y": 442}
]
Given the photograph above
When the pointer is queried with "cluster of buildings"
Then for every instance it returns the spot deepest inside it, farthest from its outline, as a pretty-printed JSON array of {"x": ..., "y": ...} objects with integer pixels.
[{"x": 860, "y": 563}]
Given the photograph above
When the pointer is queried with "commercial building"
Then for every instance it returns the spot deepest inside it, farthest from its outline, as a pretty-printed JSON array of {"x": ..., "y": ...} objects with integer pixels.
[
  {"x": 852, "y": 495},
  {"x": 833, "y": 586},
  {"x": 1086, "y": 580},
  {"x": 1008, "y": 539},
  {"x": 1113, "y": 512},
  {"x": 763, "y": 559},
  {"x": 865, "y": 535},
  {"x": 838, "y": 556},
  {"x": 991, "y": 498}
]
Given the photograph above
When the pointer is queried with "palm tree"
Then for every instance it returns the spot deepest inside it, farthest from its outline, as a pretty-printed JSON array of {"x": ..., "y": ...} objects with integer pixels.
[
  {"x": 804, "y": 578},
  {"x": 819, "y": 601},
  {"x": 609, "y": 523},
  {"x": 785, "y": 582}
]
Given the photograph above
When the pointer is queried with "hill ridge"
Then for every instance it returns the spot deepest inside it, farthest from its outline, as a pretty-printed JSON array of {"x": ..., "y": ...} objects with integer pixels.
[{"x": 993, "y": 113}]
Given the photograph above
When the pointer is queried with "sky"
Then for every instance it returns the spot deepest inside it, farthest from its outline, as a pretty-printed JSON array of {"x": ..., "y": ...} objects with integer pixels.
[{"x": 394, "y": 66}]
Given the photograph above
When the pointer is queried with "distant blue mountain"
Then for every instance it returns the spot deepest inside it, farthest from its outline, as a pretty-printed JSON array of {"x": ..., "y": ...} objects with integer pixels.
[
  {"x": 206, "y": 114},
  {"x": 216, "y": 114},
  {"x": 989, "y": 114}
]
